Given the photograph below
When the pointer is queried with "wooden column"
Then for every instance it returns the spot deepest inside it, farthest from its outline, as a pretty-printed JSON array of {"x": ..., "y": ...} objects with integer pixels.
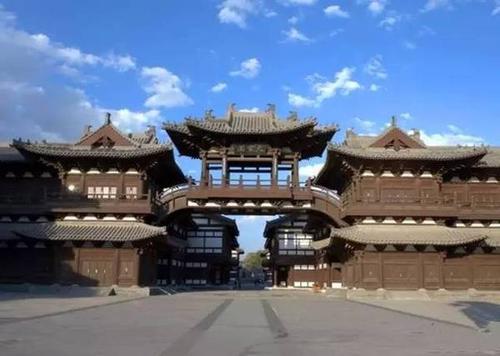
[
  {"x": 204, "y": 169},
  {"x": 274, "y": 169},
  {"x": 224, "y": 174},
  {"x": 83, "y": 177},
  {"x": 295, "y": 171},
  {"x": 122, "y": 191}
]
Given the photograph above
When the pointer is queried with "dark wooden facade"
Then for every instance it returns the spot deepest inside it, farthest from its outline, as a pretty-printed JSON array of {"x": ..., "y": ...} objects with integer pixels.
[
  {"x": 421, "y": 217},
  {"x": 81, "y": 213},
  {"x": 386, "y": 211}
]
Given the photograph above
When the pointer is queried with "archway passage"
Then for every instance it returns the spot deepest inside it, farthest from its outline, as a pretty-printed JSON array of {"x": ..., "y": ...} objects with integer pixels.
[{"x": 250, "y": 166}]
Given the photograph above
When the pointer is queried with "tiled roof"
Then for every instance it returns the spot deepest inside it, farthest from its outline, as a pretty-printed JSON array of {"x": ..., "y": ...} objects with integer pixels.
[
  {"x": 406, "y": 234},
  {"x": 70, "y": 151},
  {"x": 417, "y": 154},
  {"x": 239, "y": 122},
  {"x": 491, "y": 159},
  {"x": 250, "y": 123},
  {"x": 10, "y": 154},
  {"x": 88, "y": 231}
]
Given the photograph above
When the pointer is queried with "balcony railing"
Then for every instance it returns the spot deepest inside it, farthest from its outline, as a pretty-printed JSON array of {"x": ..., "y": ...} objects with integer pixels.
[
  {"x": 67, "y": 197},
  {"x": 75, "y": 202}
]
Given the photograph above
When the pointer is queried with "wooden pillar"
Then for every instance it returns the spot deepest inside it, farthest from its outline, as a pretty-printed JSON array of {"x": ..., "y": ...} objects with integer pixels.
[
  {"x": 204, "y": 169},
  {"x": 83, "y": 178},
  {"x": 274, "y": 169},
  {"x": 295, "y": 171},
  {"x": 122, "y": 191},
  {"x": 275, "y": 276},
  {"x": 224, "y": 175}
]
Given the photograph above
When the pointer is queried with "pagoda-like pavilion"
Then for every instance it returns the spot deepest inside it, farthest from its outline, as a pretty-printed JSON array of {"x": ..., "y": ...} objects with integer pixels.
[{"x": 259, "y": 146}]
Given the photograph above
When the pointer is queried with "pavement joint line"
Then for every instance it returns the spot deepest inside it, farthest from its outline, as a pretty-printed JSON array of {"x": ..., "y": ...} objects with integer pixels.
[
  {"x": 18, "y": 320},
  {"x": 416, "y": 315},
  {"x": 184, "y": 343},
  {"x": 277, "y": 328}
]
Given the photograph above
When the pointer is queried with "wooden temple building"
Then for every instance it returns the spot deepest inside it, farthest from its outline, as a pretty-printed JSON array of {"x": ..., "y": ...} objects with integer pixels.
[
  {"x": 85, "y": 213},
  {"x": 385, "y": 211}
]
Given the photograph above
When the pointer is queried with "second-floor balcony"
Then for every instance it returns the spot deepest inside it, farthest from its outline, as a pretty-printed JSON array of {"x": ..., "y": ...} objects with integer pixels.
[
  {"x": 472, "y": 206},
  {"x": 65, "y": 202},
  {"x": 260, "y": 189}
]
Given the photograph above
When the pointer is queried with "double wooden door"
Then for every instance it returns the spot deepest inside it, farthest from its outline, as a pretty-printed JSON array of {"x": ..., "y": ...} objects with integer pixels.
[{"x": 97, "y": 272}]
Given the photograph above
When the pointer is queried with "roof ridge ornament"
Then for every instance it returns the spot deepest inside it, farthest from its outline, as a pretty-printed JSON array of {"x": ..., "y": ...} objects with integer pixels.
[
  {"x": 293, "y": 116},
  {"x": 107, "y": 118},
  {"x": 394, "y": 122},
  {"x": 209, "y": 114}
]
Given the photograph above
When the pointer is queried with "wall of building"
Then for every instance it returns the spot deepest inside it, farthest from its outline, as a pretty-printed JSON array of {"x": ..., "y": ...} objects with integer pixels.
[
  {"x": 86, "y": 266},
  {"x": 430, "y": 270}
]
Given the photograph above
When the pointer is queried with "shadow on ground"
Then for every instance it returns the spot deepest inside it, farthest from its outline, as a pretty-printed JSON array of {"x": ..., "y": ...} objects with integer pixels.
[{"x": 481, "y": 313}]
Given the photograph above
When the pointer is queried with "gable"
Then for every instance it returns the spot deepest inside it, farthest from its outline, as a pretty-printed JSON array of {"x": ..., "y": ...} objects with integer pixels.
[
  {"x": 106, "y": 136},
  {"x": 396, "y": 139}
]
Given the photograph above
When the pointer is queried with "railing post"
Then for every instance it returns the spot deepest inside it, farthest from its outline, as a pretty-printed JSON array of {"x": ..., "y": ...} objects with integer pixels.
[
  {"x": 240, "y": 183},
  {"x": 258, "y": 181}
]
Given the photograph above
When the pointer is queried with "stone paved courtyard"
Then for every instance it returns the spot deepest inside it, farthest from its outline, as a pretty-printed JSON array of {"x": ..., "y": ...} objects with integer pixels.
[{"x": 245, "y": 323}]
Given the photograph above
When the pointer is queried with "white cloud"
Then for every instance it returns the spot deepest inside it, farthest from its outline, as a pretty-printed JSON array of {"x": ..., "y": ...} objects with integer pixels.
[
  {"x": 336, "y": 32},
  {"x": 406, "y": 116},
  {"x": 294, "y": 35},
  {"x": 453, "y": 137},
  {"x": 164, "y": 87},
  {"x": 300, "y": 101},
  {"x": 432, "y": 5},
  {"x": 254, "y": 109},
  {"x": 37, "y": 97},
  {"x": 375, "y": 7},
  {"x": 366, "y": 125},
  {"x": 375, "y": 68},
  {"x": 128, "y": 120},
  {"x": 324, "y": 89},
  {"x": 374, "y": 87},
  {"x": 298, "y": 2},
  {"x": 310, "y": 170},
  {"x": 249, "y": 69},
  {"x": 496, "y": 9},
  {"x": 335, "y": 11},
  {"x": 293, "y": 20},
  {"x": 270, "y": 13},
  {"x": 236, "y": 12},
  {"x": 70, "y": 58},
  {"x": 409, "y": 45},
  {"x": 217, "y": 88},
  {"x": 388, "y": 22},
  {"x": 120, "y": 63}
]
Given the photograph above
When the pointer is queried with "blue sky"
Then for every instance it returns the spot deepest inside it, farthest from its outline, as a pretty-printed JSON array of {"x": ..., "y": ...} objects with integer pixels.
[{"x": 433, "y": 63}]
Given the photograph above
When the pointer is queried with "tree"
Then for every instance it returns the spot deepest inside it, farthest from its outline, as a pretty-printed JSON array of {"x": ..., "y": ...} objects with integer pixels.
[{"x": 253, "y": 260}]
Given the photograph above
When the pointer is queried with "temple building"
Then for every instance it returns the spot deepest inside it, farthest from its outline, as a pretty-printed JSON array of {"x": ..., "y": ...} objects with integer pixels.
[
  {"x": 385, "y": 211},
  {"x": 85, "y": 213},
  {"x": 419, "y": 216}
]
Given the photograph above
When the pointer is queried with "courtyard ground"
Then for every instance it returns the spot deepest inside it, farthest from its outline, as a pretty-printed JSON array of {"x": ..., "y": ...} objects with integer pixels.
[{"x": 223, "y": 323}]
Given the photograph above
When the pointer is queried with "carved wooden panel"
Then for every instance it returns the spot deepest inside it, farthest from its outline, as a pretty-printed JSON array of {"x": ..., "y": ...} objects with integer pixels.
[{"x": 399, "y": 195}]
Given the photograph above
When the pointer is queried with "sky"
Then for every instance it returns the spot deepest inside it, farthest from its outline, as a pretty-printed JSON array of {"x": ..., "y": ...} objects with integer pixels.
[{"x": 434, "y": 64}]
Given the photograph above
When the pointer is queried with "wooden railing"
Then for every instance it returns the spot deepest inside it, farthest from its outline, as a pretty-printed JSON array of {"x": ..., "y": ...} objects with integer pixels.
[{"x": 50, "y": 197}]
